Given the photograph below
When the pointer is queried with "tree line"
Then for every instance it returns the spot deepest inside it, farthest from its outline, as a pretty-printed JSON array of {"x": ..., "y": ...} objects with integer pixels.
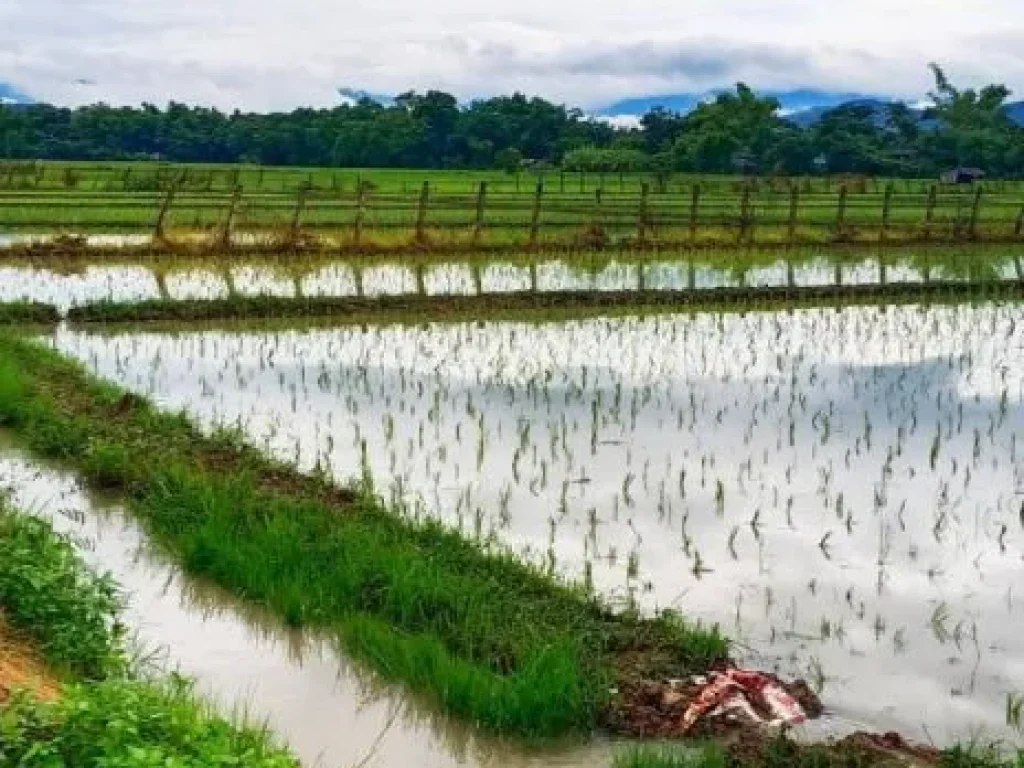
[{"x": 738, "y": 131}]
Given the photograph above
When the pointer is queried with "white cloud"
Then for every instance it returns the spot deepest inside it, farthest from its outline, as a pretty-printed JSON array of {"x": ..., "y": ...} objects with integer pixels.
[{"x": 265, "y": 54}]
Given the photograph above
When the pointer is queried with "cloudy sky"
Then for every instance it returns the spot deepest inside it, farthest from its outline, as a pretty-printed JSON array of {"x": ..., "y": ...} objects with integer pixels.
[{"x": 279, "y": 54}]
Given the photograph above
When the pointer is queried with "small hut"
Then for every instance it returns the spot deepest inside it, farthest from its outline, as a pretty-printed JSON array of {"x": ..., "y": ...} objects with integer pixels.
[{"x": 963, "y": 176}]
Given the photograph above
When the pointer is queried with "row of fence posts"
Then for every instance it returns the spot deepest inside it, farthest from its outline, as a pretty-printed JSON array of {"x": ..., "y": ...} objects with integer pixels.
[{"x": 745, "y": 224}]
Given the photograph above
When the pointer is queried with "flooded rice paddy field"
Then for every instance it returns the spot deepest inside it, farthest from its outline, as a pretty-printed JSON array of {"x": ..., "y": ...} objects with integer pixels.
[
  {"x": 135, "y": 282},
  {"x": 840, "y": 490}
]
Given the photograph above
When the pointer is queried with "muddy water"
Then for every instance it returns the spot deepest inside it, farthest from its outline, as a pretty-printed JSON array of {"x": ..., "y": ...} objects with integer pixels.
[
  {"x": 330, "y": 713},
  {"x": 840, "y": 490}
]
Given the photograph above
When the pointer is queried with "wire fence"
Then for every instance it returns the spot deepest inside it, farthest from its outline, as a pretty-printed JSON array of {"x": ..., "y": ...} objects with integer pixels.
[{"x": 540, "y": 217}]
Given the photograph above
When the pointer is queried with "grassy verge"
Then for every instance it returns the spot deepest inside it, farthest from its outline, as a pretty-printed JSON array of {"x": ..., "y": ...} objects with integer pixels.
[
  {"x": 24, "y": 312},
  {"x": 478, "y": 307},
  {"x": 46, "y": 595},
  {"x": 487, "y": 637},
  {"x": 102, "y": 717}
]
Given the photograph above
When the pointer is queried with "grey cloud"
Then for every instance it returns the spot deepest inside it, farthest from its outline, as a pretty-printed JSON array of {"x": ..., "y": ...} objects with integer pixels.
[
  {"x": 260, "y": 54},
  {"x": 698, "y": 60}
]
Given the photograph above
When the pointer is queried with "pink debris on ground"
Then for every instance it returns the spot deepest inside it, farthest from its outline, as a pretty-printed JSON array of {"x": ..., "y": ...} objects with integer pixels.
[{"x": 754, "y": 695}]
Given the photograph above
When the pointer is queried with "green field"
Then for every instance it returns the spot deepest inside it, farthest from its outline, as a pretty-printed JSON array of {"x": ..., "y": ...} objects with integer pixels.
[{"x": 354, "y": 208}]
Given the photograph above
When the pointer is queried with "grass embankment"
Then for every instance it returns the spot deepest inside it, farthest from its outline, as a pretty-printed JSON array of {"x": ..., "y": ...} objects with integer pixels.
[
  {"x": 485, "y": 636},
  {"x": 28, "y": 313},
  {"x": 489, "y": 306},
  {"x": 69, "y": 697}
]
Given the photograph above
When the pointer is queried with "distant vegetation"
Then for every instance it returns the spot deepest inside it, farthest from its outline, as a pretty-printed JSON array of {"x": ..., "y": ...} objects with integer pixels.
[{"x": 738, "y": 131}]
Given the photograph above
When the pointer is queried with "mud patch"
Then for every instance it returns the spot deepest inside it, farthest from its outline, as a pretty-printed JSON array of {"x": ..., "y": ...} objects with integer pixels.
[{"x": 22, "y": 668}]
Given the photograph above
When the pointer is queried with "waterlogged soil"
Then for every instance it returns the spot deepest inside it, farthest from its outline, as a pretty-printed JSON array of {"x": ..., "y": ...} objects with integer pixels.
[
  {"x": 330, "y": 712},
  {"x": 841, "y": 490}
]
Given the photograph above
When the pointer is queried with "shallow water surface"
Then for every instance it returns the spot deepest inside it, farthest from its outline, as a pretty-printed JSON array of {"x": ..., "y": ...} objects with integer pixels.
[
  {"x": 841, "y": 490},
  {"x": 134, "y": 282},
  {"x": 330, "y": 713}
]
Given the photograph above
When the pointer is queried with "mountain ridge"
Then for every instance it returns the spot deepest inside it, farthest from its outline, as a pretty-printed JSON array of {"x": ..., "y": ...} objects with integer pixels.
[{"x": 11, "y": 95}]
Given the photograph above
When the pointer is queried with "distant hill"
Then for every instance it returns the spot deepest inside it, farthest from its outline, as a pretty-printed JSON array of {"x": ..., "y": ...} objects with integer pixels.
[
  {"x": 11, "y": 95},
  {"x": 804, "y": 107},
  {"x": 808, "y": 117},
  {"x": 792, "y": 101},
  {"x": 352, "y": 96},
  {"x": 1016, "y": 112}
]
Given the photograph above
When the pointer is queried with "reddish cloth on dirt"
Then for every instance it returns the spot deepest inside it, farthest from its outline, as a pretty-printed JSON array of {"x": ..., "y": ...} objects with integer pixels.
[{"x": 757, "y": 696}]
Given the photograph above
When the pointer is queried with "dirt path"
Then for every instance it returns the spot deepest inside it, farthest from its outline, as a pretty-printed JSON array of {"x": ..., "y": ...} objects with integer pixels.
[{"x": 21, "y": 667}]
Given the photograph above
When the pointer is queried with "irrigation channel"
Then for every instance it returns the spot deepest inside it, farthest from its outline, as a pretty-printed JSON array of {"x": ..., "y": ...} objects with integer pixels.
[
  {"x": 330, "y": 713},
  {"x": 840, "y": 488}
]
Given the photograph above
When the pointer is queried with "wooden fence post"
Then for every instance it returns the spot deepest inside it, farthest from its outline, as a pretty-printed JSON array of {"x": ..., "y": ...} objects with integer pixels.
[
  {"x": 421, "y": 278},
  {"x": 161, "y": 284},
  {"x": 744, "y": 213},
  {"x": 225, "y": 234},
  {"x": 229, "y": 281},
  {"x": 481, "y": 205},
  {"x": 421, "y": 212},
  {"x": 1018, "y": 230},
  {"x": 929, "y": 213},
  {"x": 840, "y": 233},
  {"x": 165, "y": 209},
  {"x": 972, "y": 231},
  {"x": 478, "y": 278},
  {"x": 300, "y": 205},
  {"x": 794, "y": 207},
  {"x": 535, "y": 214},
  {"x": 357, "y": 224},
  {"x": 694, "y": 212},
  {"x": 641, "y": 217},
  {"x": 357, "y": 277},
  {"x": 886, "y": 212}
]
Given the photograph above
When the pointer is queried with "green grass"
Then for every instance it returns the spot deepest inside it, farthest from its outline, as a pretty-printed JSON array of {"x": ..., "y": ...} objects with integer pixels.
[
  {"x": 130, "y": 724},
  {"x": 23, "y": 312},
  {"x": 91, "y": 176},
  {"x": 538, "y": 305},
  {"x": 671, "y": 757},
  {"x": 47, "y": 595},
  {"x": 104, "y": 717},
  {"x": 126, "y": 198},
  {"x": 487, "y": 637}
]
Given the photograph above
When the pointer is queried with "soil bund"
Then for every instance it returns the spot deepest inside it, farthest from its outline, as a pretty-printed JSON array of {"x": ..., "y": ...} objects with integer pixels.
[{"x": 485, "y": 306}]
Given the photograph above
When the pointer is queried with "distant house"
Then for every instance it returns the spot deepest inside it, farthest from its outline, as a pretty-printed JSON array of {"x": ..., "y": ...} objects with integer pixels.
[
  {"x": 963, "y": 176},
  {"x": 744, "y": 163}
]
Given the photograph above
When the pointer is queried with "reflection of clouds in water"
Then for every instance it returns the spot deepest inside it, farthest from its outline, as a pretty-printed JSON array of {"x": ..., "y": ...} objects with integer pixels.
[
  {"x": 128, "y": 283},
  {"x": 772, "y": 472}
]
